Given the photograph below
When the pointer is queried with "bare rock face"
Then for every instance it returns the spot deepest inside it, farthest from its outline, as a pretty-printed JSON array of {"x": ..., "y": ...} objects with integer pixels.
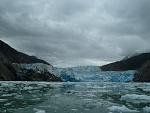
[
  {"x": 25, "y": 68},
  {"x": 7, "y": 72},
  {"x": 43, "y": 77},
  {"x": 143, "y": 74}
]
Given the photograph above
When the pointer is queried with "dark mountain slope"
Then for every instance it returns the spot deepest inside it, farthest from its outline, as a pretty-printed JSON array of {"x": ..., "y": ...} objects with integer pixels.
[
  {"x": 143, "y": 74},
  {"x": 15, "y": 66},
  {"x": 17, "y": 57},
  {"x": 132, "y": 63}
]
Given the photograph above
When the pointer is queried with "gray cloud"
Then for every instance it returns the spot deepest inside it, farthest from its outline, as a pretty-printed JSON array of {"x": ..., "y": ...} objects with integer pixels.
[{"x": 76, "y": 32}]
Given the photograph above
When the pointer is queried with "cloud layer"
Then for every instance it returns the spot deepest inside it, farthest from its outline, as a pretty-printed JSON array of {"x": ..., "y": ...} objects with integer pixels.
[{"x": 76, "y": 32}]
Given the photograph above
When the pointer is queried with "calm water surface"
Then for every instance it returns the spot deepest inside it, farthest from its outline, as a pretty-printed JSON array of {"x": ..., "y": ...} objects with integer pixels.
[{"x": 87, "y": 97}]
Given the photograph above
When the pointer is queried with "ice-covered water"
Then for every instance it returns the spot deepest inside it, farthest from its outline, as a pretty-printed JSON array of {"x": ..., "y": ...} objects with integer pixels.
[{"x": 79, "y": 97}]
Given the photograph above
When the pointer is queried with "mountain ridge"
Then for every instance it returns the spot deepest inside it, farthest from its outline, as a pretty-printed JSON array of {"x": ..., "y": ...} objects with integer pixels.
[
  {"x": 15, "y": 56},
  {"x": 132, "y": 63},
  {"x": 17, "y": 66}
]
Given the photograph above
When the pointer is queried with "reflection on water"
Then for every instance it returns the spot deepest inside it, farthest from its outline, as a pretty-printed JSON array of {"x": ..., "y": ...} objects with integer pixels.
[{"x": 87, "y": 97}]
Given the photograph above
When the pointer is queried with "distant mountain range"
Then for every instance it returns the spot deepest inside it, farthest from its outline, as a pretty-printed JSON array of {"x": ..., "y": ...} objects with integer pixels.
[{"x": 15, "y": 65}]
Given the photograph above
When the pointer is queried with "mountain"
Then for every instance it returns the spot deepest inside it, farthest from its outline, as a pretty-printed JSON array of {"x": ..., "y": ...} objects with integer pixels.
[
  {"x": 93, "y": 73},
  {"x": 143, "y": 74},
  {"x": 15, "y": 65},
  {"x": 7, "y": 72},
  {"x": 132, "y": 63},
  {"x": 17, "y": 57}
]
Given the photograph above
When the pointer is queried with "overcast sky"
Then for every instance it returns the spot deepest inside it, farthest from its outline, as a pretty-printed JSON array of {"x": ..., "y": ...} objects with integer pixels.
[{"x": 76, "y": 32}]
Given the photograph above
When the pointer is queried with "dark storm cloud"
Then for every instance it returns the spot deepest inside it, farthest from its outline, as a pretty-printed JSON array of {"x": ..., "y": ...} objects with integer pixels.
[{"x": 76, "y": 32}]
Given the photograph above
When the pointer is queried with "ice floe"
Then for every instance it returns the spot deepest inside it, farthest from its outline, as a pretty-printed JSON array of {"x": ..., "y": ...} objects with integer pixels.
[
  {"x": 146, "y": 109},
  {"x": 39, "y": 110},
  {"x": 134, "y": 98},
  {"x": 121, "y": 109}
]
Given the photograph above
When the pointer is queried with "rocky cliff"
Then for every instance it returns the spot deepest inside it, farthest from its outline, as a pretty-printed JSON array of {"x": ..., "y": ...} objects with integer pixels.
[{"x": 14, "y": 66}]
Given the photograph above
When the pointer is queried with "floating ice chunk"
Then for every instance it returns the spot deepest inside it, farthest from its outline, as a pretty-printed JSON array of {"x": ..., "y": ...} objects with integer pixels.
[
  {"x": 146, "y": 109},
  {"x": 39, "y": 110},
  {"x": 134, "y": 98},
  {"x": 7, "y": 104},
  {"x": 144, "y": 88},
  {"x": 28, "y": 88},
  {"x": 121, "y": 109},
  {"x": 8, "y": 95},
  {"x": 74, "y": 109},
  {"x": 3, "y": 100}
]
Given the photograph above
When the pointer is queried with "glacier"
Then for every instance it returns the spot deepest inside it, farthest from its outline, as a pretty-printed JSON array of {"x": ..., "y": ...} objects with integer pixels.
[
  {"x": 37, "y": 67},
  {"x": 35, "y": 72},
  {"x": 80, "y": 73},
  {"x": 93, "y": 73}
]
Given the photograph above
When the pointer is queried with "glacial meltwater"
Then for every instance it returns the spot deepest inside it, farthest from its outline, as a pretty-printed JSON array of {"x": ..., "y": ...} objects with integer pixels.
[{"x": 77, "y": 97}]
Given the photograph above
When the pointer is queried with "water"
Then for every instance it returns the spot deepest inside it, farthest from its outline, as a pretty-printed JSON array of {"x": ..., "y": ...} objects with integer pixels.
[{"x": 86, "y": 97}]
